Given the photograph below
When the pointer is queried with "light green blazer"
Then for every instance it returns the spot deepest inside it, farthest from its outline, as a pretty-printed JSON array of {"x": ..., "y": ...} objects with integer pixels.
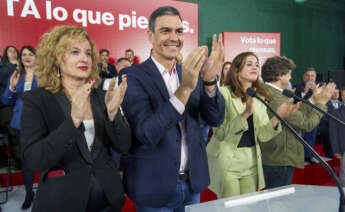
[{"x": 226, "y": 138}]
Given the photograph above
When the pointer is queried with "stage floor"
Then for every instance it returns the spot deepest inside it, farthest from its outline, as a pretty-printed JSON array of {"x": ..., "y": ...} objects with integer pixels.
[{"x": 15, "y": 200}]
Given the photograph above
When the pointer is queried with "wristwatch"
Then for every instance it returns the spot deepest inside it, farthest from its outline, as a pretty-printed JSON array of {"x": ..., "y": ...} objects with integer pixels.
[{"x": 210, "y": 83}]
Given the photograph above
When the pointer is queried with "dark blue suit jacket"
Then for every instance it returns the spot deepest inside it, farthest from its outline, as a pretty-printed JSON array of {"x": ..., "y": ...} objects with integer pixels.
[
  {"x": 151, "y": 168},
  {"x": 6, "y": 70},
  {"x": 300, "y": 88},
  {"x": 337, "y": 132},
  {"x": 10, "y": 98}
]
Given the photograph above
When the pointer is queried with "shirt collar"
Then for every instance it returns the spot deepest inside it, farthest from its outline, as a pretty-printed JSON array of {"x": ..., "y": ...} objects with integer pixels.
[
  {"x": 274, "y": 86},
  {"x": 161, "y": 68}
]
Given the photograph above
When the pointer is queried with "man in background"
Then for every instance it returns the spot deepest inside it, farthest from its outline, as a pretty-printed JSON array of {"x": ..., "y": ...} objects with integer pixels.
[
  {"x": 106, "y": 70},
  {"x": 129, "y": 54},
  {"x": 304, "y": 90}
]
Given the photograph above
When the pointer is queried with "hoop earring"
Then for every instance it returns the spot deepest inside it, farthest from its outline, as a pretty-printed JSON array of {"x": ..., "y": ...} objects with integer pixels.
[{"x": 58, "y": 72}]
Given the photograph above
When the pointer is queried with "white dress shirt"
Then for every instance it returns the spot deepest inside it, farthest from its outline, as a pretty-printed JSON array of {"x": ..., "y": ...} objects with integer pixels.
[
  {"x": 172, "y": 83},
  {"x": 89, "y": 132}
]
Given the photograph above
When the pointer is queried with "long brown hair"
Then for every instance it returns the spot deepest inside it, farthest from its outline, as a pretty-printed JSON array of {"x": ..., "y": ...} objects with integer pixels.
[
  {"x": 232, "y": 78},
  {"x": 222, "y": 74}
]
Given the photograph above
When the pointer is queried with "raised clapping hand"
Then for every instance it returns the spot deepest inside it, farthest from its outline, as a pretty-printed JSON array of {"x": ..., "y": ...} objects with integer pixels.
[
  {"x": 104, "y": 66},
  {"x": 114, "y": 97},
  {"x": 191, "y": 68},
  {"x": 14, "y": 80},
  {"x": 80, "y": 103},
  {"x": 286, "y": 108},
  {"x": 324, "y": 93},
  {"x": 248, "y": 108},
  {"x": 214, "y": 62}
]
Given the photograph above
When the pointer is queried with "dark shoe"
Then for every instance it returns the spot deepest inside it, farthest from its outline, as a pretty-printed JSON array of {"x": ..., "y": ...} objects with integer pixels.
[{"x": 29, "y": 196}]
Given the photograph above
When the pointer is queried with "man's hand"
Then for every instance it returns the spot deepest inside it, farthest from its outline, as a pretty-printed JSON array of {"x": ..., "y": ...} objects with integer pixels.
[
  {"x": 286, "y": 108},
  {"x": 308, "y": 85},
  {"x": 190, "y": 73},
  {"x": 324, "y": 93},
  {"x": 191, "y": 68},
  {"x": 214, "y": 62}
]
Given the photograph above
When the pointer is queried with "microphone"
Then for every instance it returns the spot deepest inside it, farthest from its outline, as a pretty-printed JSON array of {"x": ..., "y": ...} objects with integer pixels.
[
  {"x": 251, "y": 92},
  {"x": 290, "y": 94}
]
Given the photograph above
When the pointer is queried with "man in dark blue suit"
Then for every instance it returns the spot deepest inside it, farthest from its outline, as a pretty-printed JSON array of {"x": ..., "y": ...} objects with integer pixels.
[
  {"x": 166, "y": 168},
  {"x": 332, "y": 104},
  {"x": 304, "y": 90}
]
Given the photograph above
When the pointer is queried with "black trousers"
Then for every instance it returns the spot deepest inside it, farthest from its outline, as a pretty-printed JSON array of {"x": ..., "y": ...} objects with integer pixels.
[
  {"x": 28, "y": 174},
  {"x": 97, "y": 200}
]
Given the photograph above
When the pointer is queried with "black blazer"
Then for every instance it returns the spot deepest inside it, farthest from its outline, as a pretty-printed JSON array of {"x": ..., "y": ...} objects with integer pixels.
[{"x": 51, "y": 141}]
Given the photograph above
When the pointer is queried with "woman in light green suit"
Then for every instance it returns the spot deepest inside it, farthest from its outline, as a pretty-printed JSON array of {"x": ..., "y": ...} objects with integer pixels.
[{"x": 234, "y": 155}]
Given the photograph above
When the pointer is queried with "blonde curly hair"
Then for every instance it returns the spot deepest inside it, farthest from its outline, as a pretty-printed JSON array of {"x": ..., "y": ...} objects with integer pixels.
[{"x": 50, "y": 54}]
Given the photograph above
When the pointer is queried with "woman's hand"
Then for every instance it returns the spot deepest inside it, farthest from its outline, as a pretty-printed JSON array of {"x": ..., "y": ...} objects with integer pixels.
[
  {"x": 249, "y": 108},
  {"x": 14, "y": 80},
  {"x": 80, "y": 103},
  {"x": 114, "y": 97}
]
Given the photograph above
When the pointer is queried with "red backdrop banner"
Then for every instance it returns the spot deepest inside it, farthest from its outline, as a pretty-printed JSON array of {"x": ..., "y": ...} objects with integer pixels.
[
  {"x": 264, "y": 45},
  {"x": 112, "y": 24}
]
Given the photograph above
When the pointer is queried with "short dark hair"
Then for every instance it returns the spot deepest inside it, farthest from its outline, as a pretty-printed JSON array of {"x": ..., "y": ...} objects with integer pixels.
[
  {"x": 276, "y": 66},
  {"x": 166, "y": 10},
  {"x": 310, "y": 69},
  {"x": 121, "y": 59},
  {"x": 129, "y": 50},
  {"x": 104, "y": 50},
  {"x": 5, "y": 54}
]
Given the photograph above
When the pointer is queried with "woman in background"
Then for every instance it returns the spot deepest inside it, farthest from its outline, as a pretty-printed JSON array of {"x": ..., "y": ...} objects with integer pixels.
[
  {"x": 225, "y": 70},
  {"x": 10, "y": 55},
  {"x": 19, "y": 82}
]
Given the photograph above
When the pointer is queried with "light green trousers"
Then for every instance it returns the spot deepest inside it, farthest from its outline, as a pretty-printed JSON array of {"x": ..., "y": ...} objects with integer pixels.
[{"x": 242, "y": 176}]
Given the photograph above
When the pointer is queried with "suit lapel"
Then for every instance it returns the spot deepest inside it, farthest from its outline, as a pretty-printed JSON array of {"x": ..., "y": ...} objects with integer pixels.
[
  {"x": 151, "y": 69},
  {"x": 179, "y": 72},
  {"x": 81, "y": 142},
  {"x": 98, "y": 115},
  {"x": 58, "y": 115},
  {"x": 237, "y": 102},
  {"x": 341, "y": 112}
]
